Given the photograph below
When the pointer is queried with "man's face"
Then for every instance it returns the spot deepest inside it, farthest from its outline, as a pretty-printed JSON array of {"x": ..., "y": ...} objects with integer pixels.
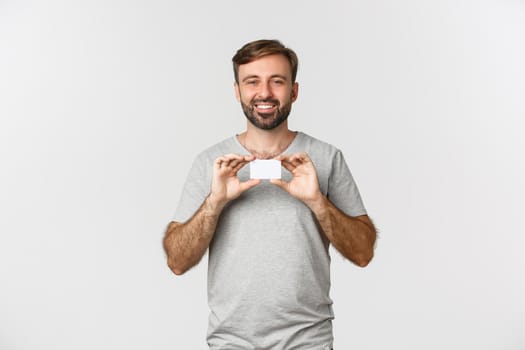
[{"x": 266, "y": 91}]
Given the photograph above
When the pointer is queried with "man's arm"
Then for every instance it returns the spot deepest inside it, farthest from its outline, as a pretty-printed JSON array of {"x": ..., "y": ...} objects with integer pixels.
[
  {"x": 186, "y": 243},
  {"x": 353, "y": 237}
]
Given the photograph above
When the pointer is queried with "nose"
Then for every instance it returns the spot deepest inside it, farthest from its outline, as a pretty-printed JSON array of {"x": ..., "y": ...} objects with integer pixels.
[{"x": 265, "y": 91}]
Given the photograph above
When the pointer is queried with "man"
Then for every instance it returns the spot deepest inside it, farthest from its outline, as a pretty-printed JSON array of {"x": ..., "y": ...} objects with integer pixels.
[{"x": 269, "y": 263}]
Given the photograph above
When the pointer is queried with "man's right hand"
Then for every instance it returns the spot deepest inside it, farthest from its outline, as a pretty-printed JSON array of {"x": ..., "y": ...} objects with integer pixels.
[
  {"x": 186, "y": 243},
  {"x": 225, "y": 183}
]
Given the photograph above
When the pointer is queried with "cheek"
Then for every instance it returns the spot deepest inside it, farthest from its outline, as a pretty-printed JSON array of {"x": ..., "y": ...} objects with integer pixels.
[{"x": 250, "y": 97}]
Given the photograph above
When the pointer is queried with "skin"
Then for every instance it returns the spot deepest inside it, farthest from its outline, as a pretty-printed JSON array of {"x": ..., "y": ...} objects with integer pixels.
[
  {"x": 186, "y": 243},
  {"x": 353, "y": 237},
  {"x": 266, "y": 82},
  {"x": 275, "y": 89}
]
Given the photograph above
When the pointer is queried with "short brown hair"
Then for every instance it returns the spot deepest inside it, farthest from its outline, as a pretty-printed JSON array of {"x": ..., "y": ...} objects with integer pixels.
[{"x": 260, "y": 48}]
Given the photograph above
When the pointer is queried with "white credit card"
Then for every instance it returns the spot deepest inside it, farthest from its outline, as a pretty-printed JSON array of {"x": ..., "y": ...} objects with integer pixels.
[{"x": 265, "y": 169}]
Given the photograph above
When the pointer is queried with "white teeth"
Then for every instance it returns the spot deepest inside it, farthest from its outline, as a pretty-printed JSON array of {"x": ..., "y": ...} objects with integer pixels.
[{"x": 265, "y": 106}]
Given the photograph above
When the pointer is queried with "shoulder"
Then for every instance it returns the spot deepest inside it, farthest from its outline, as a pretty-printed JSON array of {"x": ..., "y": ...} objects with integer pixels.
[
  {"x": 201, "y": 169},
  {"x": 317, "y": 149},
  {"x": 218, "y": 149}
]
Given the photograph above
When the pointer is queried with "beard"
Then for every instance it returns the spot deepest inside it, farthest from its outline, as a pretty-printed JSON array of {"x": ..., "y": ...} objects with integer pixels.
[{"x": 267, "y": 121}]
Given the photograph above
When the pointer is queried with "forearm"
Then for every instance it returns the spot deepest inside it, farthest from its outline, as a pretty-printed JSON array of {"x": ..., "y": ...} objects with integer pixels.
[
  {"x": 353, "y": 237},
  {"x": 186, "y": 243}
]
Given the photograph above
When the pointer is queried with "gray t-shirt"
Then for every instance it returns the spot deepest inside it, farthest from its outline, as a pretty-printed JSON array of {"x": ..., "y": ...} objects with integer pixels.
[{"x": 269, "y": 266}]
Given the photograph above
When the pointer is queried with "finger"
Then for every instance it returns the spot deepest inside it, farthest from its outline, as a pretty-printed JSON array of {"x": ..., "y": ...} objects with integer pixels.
[
  {"x": 242, "y": 162},
  {"x": 288, "y": 166},
  {"x": 229, "y": 160},
  {"x": 231, "y": 156},
  {"x": 296, "y": 159},
  {"x": 234, "y": 163},
  {"x": 218, "y": 163},
  {"x": 244, "y": 186},
  {"x": 239, "y": 166},
  {"x": 300, "y": 155},
  {"x": 224, "y": 159},
  {"x": 304, "y": 157},
  {"x": 248, "y": 158},
  {"x": 284, "y": 158},
  {"x": 224, "y": 163}
]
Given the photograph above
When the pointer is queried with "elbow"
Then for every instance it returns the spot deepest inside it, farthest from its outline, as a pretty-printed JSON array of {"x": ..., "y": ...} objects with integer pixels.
[
  {"x": 178, "y": 272},
  {"x": 176, "y": 268},
  {"x": 367, "y": 255},
  {"x": 364, "y": 259},
  {"x": 367, "y": 245},
  {"x": 175, "y": 264}
]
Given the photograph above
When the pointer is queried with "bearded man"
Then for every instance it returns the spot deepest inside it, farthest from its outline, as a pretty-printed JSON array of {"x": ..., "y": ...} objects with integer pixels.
[{"x": 268, "y": 240}]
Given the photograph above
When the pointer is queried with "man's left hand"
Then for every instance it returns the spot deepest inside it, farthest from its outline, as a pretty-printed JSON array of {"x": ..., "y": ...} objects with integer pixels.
[{"x": 304, "y": 184}]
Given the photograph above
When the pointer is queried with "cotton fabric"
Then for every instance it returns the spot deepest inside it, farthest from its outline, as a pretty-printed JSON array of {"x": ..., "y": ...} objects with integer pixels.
[{"x": 269, "y": 264}]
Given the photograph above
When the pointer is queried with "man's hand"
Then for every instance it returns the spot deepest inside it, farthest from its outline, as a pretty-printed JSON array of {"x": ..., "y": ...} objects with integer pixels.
[
  {"x": 354, "y": 237},
  {"x": 304, "y": 184},
  {"x": 186, "y": 243},
  {"x": 225, "y": 184}
]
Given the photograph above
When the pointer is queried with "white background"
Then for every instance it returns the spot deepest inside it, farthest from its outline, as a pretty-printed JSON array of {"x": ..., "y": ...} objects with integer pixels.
[{"x": 104, "y": 104}]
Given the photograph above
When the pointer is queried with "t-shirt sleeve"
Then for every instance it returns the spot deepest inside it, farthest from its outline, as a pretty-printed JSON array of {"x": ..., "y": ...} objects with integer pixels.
[
  {"x": 342, "y": 189},
  {"x": 196, "y": 188}
]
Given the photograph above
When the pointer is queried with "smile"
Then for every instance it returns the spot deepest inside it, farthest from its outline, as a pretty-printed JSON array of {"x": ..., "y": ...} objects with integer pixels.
[{"x": 264, "y": 106}]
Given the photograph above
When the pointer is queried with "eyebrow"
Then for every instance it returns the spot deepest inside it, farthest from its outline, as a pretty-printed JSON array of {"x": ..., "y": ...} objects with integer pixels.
[{"x": 272, "y": 76}]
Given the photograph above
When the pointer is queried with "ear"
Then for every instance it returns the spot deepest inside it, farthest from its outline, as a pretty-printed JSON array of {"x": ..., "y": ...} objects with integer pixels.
[
  {"x": 295, "y": 91},
  {"x": 237, "y": 92}
]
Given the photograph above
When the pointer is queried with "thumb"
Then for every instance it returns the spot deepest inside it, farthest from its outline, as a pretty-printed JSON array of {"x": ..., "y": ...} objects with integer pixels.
[
  {"x": 282, "y": 184},
  {"x": 249, "y": 184}
]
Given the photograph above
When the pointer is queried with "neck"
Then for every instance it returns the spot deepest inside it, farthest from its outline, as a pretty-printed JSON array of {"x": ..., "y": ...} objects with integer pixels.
[{"x": 266, "y": 144}]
